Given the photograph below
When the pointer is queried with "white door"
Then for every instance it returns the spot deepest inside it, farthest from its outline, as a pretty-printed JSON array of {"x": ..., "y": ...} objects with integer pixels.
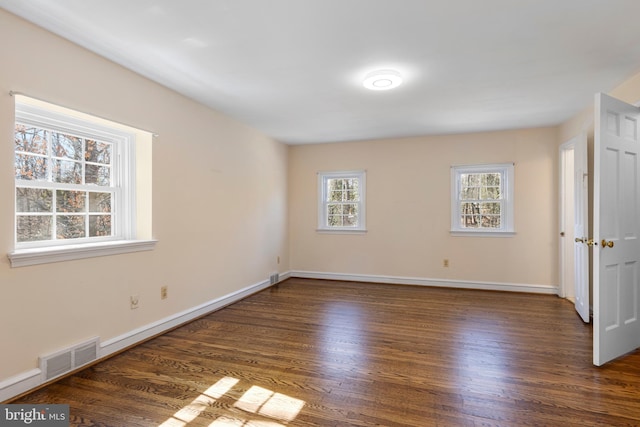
[
  {"x": 567, "y": 222},
  {"x": 581, "y": 226},
  {"x": 616, "y": 231}
]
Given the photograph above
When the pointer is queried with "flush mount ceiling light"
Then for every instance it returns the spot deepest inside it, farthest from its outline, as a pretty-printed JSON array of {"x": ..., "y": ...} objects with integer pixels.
[{"x": 382, "y": 80}]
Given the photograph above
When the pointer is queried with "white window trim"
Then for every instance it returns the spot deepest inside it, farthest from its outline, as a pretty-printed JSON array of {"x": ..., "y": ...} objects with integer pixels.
[
  {"x": 507, "y": 218},
  {"x": 322, "y": 203},
  {"x": 45, "y": 255},
  {"x": 124, "y": 236}
]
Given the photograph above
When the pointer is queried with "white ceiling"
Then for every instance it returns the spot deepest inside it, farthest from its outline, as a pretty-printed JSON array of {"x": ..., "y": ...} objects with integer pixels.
[{"x": 293, "y": 68}]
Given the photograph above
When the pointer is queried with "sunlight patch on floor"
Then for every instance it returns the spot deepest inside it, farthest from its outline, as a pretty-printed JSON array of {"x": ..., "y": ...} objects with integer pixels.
[
  {"x": 259, "y": 401},
  {"x": 265, "y": 402}
]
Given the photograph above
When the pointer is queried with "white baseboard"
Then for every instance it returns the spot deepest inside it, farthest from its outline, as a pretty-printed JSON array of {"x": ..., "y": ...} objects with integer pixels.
[
  {"x": 418, "y": 281},
  {"x": 29, "y": 380},
  {"x": 20, "y": 383}
]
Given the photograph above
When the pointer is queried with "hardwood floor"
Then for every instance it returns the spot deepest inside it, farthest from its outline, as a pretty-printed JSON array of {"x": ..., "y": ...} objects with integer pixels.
[{"x": 330, "y": 353}]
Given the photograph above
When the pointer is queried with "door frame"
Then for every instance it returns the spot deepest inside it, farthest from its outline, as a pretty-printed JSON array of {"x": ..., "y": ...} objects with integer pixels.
[
  {"x": 565, "y": 243},
  {"x": 573, "y": 210}
]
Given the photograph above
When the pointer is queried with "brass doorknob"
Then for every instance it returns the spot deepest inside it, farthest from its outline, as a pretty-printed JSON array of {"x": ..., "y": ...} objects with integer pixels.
[
  {"x": 579, "y": 240},
  {"x": 607, "y": 244},
  {"x": 591, "y": 242}
]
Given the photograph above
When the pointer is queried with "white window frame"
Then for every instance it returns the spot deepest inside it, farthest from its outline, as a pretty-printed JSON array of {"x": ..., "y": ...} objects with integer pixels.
[
  {"x": 506, "y": 229},
  {"x": 123, "y": 238},
  {"x": 323, "y": 178}
]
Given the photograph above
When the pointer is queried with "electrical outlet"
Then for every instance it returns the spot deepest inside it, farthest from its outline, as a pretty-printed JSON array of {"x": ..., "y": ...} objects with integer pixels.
[
  {"x": 164, "y": 292},
  {"x": 445, "y": 263},
  {"x": 135, "y": 303}
]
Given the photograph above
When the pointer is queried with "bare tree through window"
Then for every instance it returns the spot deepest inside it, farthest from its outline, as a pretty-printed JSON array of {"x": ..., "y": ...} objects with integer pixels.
[{"x": 59, "y": 182}]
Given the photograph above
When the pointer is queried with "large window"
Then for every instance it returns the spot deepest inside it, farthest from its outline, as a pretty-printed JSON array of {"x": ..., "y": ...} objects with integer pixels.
[
  {"x": 482, "y": 199},
  {"x": 64, "y": 186},
  {"x": 74, "y": 184},
  {"x": 341, "y": 205}
]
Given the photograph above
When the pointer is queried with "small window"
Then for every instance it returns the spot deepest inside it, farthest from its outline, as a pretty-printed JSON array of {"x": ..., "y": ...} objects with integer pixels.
[
  {"x": 341, "y": 205},
  {"x": 482, "y": 199}
]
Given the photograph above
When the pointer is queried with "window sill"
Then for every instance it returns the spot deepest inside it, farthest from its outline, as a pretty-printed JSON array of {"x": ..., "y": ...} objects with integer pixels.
[
  {"x": 25, "y": 257},
  {"x": 465, "y": 233},
  {"x": 340, "y": 231}
]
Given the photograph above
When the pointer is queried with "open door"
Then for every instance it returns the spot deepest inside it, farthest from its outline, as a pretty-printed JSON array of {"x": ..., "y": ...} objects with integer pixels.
[
  {"x": 616, "y": 229},
  {"x": 581, "y": 226}
]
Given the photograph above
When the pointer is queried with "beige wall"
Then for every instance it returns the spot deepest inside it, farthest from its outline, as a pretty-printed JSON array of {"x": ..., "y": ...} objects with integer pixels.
[
  {"x": 228, "y": 201},
  {"x": 408, "y": 209},
  {"x": 219, "y": 205}
]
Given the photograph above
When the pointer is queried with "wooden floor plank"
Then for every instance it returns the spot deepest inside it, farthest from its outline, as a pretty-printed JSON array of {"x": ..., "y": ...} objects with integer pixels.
[{"x": 330, "y": 353}]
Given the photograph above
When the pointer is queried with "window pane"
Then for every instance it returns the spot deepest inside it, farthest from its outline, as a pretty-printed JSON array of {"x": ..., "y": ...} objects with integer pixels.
[
  {"x": 30, "y": 139},
  {"x": 67, "y": 172},
  {"x": 33, "y": 200},
  {"x": 33, "y": 228},
  {"x": 350, "y": 217},
  {"x": 491, "y": 221},
  {"x": 352, "y": 191},
  {"x": 70, "y": 226},
  {"x": 343, "y": 215},
  {"x": 470, "y": 221},
  {"x": 491, "y": 179},
  {"x": 334, "y": 184},
  {"x": 351, "y": 184},
  {"x": 334, "y": 209},
  {"x": 470, "y": 208},
  {"x": 335, "y": 196},
  {"x": 334, "y": 215},
  {"x": 30, "y": 167},
  {"x": 470, "y": 193},
  {"x": 481, "y": 186},
  {"x": 99, "y": 202},
  {"x": 343, "y": 190},
  {"x": 350, "y": 209},
  {"x": 334, "y": 220},
  {"x": 66, "y": 146},
  {"x": 99, "y": 225},
  {"x": 350, "y": 221},
  {"x": 471, "y": 179},
  {"x": 99, "y": 175},
  {"x": 490, "y": 193},
  {"x": 70, "y": 201},
  {"x": 490, "y": 208},
  {"x": 98, "y": 152}
]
